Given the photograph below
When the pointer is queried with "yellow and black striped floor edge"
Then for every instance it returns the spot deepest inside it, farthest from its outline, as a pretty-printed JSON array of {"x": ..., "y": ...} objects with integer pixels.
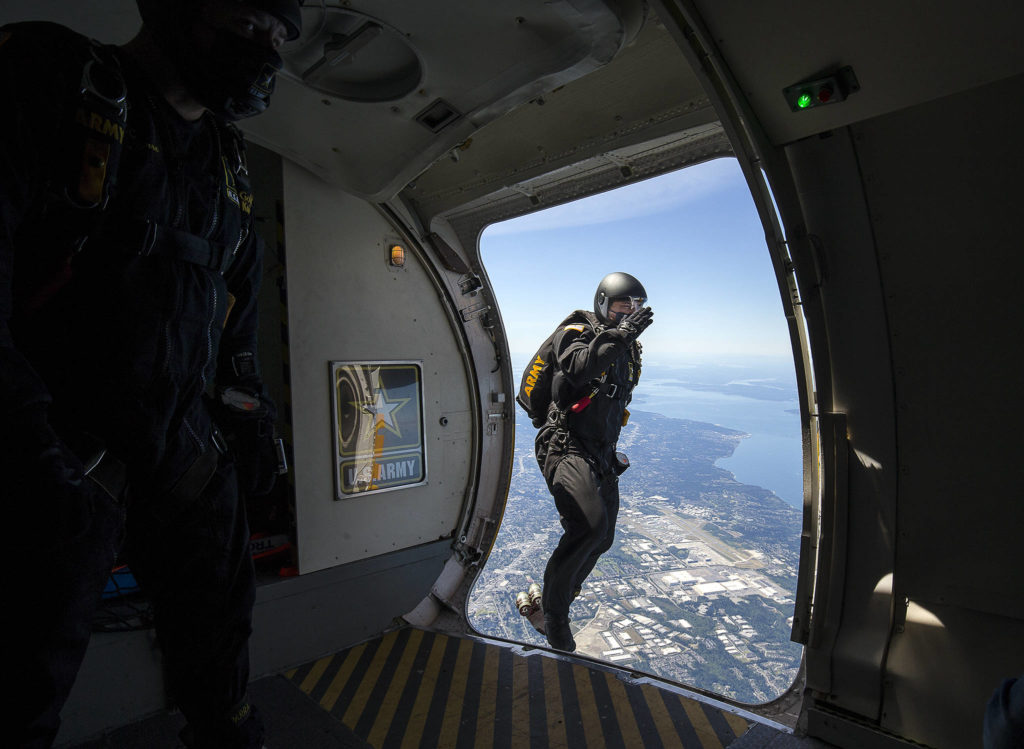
[{"x": 413, "y": 688}]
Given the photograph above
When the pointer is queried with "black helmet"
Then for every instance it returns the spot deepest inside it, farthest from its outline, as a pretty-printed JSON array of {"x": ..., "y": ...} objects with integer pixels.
[
  {"x": 166, "y": 17},
  {"x": 235, "y": 77},
  {"x": 287, "y": 12},
  {"x": 617, "y": 286}
]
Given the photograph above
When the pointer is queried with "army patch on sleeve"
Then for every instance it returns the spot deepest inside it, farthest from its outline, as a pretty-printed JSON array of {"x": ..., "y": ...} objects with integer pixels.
[{"x": 577, "y": 328}]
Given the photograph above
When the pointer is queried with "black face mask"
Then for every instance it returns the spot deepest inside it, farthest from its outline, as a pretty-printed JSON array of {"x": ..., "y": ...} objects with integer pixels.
[{"x": 233, "y": 78}]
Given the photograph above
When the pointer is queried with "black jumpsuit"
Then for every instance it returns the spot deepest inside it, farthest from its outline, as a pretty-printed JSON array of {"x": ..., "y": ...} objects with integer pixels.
[
  {"x": 123, "y": 353},
  {"x": 576, "y": 452}
]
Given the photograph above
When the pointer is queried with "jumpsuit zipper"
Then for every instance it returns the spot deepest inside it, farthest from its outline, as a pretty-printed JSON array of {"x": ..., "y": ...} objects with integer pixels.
[
  {"x": 192, "y": 433},
  {"x": 179, "y": 197},
  {"x": 214, "y": 224},
  {"x": 209, "y": 334}
]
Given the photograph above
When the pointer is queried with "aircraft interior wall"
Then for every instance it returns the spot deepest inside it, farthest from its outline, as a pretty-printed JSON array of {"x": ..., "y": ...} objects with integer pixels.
[
  {"x": 345, "y": 303},
  {"x": 908, "y": 218},
  {"x": 854, "y": 344},
  {"x": 951, "y": 263}
]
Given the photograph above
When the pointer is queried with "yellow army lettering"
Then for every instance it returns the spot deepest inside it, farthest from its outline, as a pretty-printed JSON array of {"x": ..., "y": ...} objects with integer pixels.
[
  {"x": 531, "y": 379},
  {"x": 101, "y": 125}
]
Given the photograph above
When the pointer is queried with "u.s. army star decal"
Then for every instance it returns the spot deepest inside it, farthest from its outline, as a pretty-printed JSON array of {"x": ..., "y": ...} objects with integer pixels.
[{"x": 383, "y": 408}]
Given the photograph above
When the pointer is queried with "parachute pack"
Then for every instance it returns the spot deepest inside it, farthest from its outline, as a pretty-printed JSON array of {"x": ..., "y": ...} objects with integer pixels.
[{"x": 535, "y": 387}]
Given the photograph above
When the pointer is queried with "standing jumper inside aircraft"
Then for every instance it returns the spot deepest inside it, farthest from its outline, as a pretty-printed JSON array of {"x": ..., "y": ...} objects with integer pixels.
[{"x": 129, "y": 273}]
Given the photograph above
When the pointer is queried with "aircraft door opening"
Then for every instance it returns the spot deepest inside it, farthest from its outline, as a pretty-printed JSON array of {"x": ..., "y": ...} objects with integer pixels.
[{"x": 699, "y": 587}]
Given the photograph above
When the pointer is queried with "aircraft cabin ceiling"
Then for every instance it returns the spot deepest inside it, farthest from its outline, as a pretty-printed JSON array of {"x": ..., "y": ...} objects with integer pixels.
[
  {"x": 376, "y": 94},
  {"x": 642, "y": 114},
  {"x": 902, "y": 53},
  {"x": 389, "y": 88}
]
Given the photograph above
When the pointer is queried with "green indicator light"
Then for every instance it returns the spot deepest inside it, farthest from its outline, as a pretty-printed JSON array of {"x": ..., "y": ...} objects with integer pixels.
[{"x": 804, "y": 101}]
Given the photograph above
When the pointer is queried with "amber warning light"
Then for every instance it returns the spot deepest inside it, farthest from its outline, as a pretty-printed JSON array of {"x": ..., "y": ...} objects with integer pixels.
[
  {"x": 829, "y": 89},
  {"x": 396, "y": 255}
]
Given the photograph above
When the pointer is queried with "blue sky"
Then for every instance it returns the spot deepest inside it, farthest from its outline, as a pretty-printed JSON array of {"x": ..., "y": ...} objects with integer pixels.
[{"x": 693, "y": 239}]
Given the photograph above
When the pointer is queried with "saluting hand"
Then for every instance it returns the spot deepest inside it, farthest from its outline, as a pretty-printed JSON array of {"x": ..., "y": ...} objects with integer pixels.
[{"x": 636, "y": 323}]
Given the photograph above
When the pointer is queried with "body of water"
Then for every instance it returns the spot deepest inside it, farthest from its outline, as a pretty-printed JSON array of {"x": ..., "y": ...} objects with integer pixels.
[{"x": 770, "y": 457}]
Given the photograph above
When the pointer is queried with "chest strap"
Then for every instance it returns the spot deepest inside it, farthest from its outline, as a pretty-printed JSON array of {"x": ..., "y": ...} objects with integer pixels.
[{"x": 146, "y": 238}]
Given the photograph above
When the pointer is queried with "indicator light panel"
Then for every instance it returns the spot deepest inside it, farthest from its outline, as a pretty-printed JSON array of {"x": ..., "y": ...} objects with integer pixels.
[{"x": 816, "y": 92}]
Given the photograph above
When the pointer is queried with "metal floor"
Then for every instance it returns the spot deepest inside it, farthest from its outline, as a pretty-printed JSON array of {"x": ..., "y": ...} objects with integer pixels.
[{"x": 415, "y": 688}]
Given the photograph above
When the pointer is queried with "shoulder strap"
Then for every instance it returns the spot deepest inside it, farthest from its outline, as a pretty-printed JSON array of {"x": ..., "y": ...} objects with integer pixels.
[
  {"x": 236, "y": 153},
  {"x": 100, "y": 118},
  {"x": 231, "y": 145}
]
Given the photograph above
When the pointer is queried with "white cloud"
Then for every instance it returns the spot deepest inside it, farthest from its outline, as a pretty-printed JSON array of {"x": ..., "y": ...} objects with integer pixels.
[{"x": 645, "y": 198}]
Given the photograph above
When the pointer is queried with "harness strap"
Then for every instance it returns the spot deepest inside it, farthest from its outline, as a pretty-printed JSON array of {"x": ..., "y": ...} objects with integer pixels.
[
  {"x": 146, "y": 238},
  {"x": 193, "y": 481},
  {"x": 610, "y": 390},
  {"x": 111, "y": 475},
  {"x": 101, "y": 466}
]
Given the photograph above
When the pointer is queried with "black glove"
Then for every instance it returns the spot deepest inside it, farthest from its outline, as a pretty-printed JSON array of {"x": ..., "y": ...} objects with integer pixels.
[
  {"x": 248, "y": 421},
  {"x": 51, "y": 477},
  {"x": 70, "y": 495},
  {"x": 636, "y": 323}
]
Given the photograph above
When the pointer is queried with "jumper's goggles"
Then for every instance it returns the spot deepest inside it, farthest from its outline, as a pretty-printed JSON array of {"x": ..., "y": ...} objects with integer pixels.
[{"x": 635, "y": 302}]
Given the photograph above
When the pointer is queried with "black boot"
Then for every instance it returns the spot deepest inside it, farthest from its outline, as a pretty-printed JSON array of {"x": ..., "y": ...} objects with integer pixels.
[{"x": 557, "y": 631}]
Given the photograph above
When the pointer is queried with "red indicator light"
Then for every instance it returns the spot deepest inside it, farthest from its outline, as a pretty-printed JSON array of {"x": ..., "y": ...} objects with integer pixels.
[{"x": 824, "y": 94}]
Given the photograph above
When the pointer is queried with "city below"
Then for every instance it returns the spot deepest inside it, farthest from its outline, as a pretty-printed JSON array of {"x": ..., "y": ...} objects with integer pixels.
[{"x": 698, "y": 587}]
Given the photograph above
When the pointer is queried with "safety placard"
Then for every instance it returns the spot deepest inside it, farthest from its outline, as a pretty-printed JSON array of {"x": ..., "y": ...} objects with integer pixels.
[{"x": 378, "y": 426}]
